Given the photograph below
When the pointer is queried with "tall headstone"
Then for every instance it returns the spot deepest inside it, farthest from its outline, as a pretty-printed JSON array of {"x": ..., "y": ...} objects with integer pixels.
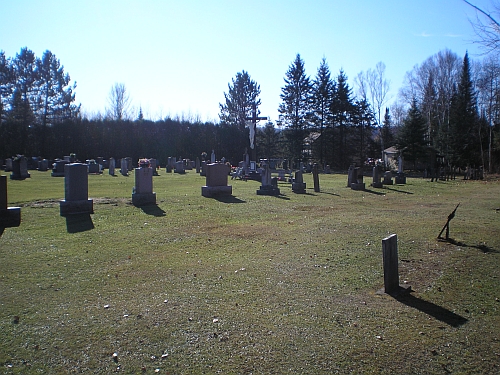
[
  {"x": 358, "y": 183},
  {"x": 9, "y": 216},
  {"x": 212, "y": 157},
  {"x": 350, "y": 176},
  {"x": 8, "y": 165},
  {"x": 216, "y": 181},
  {"x": 76, "y": 191},
  {"x": 390, "y": 260},
  {"x": 269, "y": 185},
  {"x": 124, "y": 167},
  {"x": 400, "y": 176},
  {"x": 19, "y": 168},
  {"x": 298, "y": 184},
  {"x": 198, "y": 165},
  {"x": 142, "y": 194},
  {"x": 111, "y": 169},
  {"x": 316, "y": 177},
  {"x": 376, "y": 177}
]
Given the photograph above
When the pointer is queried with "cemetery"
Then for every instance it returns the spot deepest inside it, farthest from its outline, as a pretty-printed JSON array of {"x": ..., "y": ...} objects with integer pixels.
[{"x": 249, "y": 282}]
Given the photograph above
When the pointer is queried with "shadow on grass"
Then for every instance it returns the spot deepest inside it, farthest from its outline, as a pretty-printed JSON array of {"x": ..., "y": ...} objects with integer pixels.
[
  {"x": 79, "y": 223},
  {"x": 485, "y": 249},
  {"x": 429, "y": 308},
  {"x": 153, "y": 210},
  {"x": 374, "y": 192},
  {"x": 228, "y": 199},
  {"x": 326, "y": 192},
  {"x": 1, "y": 231},
  {"x": 398, "y": 191}
]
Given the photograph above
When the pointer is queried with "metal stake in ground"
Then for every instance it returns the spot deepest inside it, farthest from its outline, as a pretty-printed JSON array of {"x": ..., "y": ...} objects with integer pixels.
[
  {"x": 447, "y": 225},
  {"x": 253, "y": 127}
]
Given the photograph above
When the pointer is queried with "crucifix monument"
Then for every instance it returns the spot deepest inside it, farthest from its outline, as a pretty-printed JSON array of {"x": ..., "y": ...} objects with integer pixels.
[{"x": 252, "y": 125}]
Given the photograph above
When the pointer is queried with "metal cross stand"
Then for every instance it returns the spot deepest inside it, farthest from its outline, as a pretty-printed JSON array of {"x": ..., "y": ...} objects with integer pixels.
[
  {"x": 253, "y": 128},
  {"x": 447, "y": 225}
]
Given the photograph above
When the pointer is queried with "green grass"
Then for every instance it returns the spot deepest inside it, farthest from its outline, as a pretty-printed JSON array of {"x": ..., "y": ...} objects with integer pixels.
[{"x": 252, "y": 284}]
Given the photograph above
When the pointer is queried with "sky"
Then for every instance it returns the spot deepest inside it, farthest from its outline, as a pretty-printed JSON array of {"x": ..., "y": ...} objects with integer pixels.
[{"x": 177, "y": 57}]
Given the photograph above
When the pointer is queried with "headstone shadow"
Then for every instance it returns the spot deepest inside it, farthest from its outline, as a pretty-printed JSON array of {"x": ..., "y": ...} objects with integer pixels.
[
  {"x": 152, "y": 209},
  {"x": 228, "y": 199},
  {"x": 374, "y": 192},
  {"x": 397, "y": 191},
  {"x": 429, "y": 308},
  {"x": 79, "y": 223}
]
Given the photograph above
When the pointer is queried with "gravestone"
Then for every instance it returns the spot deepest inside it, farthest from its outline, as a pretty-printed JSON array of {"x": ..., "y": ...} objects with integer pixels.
[
  {"x": 350, "y": 176},
  {"x": 315, "y": 172},
  {"x": 43, "y": 165},
  {"x": 68, "y": 159},
  {"x": 188, "y": 164},
  {"x": 376, "y": 177},
  {"x": 212, "y": 157},
  {"x": 153, "y": 166},
  {"x": 390, "y": 260},
  {"x": 8, "y": 165},
  {"x": 269, "y": 185},
  {"x": 358, "y": 183},
  {"x": 111, "y": 169},
  {"x": 216, "y": 181},
  {"x": 400, "y": 176},
  {"x": 142, "y": 194},
  {"x": 76, "y": 189},
  {"x": 328, "y": 170},
  {"x": 387, "y": 178},
  {"x": 9, "y": 216},
  {"x": 93, "y": 167},
  {"x": 179, "y": 167},
  {"x": 58, "y": 168},
  {"x": 198, "y": 165},
  {"x": 19, "y": 168},
  {"x": 130, "y": 165},
  {"x": 124, "y": 167},
  {"x": 298, "y": 184},
  {"x": 203, "y": 169}
]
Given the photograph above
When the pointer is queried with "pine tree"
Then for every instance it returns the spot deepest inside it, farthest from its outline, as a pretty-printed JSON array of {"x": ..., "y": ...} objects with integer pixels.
[
  {"x": 295, "y": 107},
  {"x": 411, "y": 137},
  {"x": 323, "y": 90},
  {"x": 464, "y": 142}
]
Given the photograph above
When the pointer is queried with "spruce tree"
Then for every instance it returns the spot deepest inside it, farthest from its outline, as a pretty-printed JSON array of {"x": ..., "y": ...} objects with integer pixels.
[
  {"x": 411, "y": 137},
  {"x": 295, "y": 107}
]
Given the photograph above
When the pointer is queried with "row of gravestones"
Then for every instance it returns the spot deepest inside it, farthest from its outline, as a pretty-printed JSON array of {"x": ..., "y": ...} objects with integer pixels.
[{"x": 355, "y": 178}]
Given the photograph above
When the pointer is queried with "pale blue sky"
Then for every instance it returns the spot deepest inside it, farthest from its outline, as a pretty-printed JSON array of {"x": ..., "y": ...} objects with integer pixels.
[{"x": 177, "y": 57}]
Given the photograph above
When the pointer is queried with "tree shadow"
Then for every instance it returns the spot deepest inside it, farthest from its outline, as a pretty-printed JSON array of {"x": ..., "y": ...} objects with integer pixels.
[
  {"x": 398, "y": 191},
  {"x": 152, "y": 209},
  {"x": 429, "y": 308},
  {"x": 485, "y": 249},
  {"x": 79, "y": 223},
  {"x": 228, "y": 199}
]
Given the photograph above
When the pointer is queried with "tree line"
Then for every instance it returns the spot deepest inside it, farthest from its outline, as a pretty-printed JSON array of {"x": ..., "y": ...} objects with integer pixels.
[{"x": 448, "y": 108}]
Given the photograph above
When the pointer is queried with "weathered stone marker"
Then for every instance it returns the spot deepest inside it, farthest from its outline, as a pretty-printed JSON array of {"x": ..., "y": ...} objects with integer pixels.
[
  {"x": 142, "y": 194},
  {"x": 76, "y": 191},
  {"x": 111, "y": 166},
  {"x": 9, "y": 216},
  {"x": 316, "y": 178},
  {"x": 390, "y": 259}
]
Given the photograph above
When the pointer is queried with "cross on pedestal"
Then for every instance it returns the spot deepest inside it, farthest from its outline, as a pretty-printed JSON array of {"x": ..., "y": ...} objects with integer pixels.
[{"x": 253, "y": 128}]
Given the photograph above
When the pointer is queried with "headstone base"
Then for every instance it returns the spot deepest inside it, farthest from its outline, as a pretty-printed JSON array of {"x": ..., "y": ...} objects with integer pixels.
[
  {"x": 76, "y": 207},
  {"x": 387, "y": 182},
  {"x": 143, "y": 199},
  {"x": 400, "y": 179},
  {"x": 11, "y": 217},
  {"x": 358, "y": 186},
  {"x": 400, "y": 290},
  {"x": 215, "y": 191},
  {"x": 378, "y": 184},
  {"x": 19, "y": 176},
  {"x": 299, "y": 187},
  {"x": 268, "y": 190}
]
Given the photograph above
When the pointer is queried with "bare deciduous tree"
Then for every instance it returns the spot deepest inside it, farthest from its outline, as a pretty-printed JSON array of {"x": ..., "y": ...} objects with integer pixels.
[
  {"x": 118, "y": 103},
  {"x": 487, "y": 28}
]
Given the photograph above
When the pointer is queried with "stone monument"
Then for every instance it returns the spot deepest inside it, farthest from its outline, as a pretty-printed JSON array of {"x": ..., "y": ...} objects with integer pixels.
[
  {"x": 76, "y": 190},
  {"x": 216, "y": 181},
  {"x": 142, "y": 194}
]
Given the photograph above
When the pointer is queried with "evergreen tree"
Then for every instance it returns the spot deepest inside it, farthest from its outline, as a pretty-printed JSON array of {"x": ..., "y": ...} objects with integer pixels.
[
  {"x": 323, "y": 89},
  {"x": 295, "y": 107},
  {"x": 343, "y": 108},
  {"x": 268, "y": 140},
  {"x": 411, "y": 137},
  {"x": 386, "y": 132},
  {"x": 464, "y": 141}
]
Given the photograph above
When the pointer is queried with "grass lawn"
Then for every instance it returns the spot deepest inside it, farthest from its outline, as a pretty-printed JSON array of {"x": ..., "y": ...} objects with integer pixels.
[{"x": 250, "y": 284}]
